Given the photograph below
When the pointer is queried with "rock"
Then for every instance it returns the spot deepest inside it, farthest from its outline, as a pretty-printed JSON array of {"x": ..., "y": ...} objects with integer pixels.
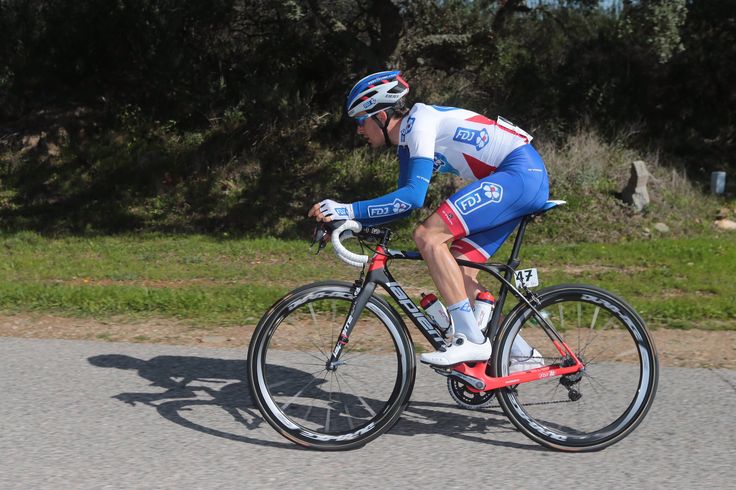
[
  {"x": 53, "y": 149},
  {"x": 725, "y": 224},
  {"x": 661, "y": 227},
  {"x": 635, "y": 192},
  {"x": 723, "y": 213}
]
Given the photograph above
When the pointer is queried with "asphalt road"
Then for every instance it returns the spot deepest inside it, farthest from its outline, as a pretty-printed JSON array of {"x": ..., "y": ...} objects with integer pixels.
[{"x": 96, "y": 415}]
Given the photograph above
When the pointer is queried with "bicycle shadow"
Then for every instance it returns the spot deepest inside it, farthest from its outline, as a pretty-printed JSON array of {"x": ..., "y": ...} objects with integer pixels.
[{"x": 189, "y": 382}]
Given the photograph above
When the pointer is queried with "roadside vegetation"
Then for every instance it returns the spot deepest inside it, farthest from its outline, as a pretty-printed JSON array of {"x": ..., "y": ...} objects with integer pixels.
[
  {"x": 157, "y": 159},
  {"x": 220, "y": 281}
]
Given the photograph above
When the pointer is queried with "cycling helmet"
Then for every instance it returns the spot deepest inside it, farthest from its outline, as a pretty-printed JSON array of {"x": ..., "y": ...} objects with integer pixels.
[{"x": 376, "y": 93}]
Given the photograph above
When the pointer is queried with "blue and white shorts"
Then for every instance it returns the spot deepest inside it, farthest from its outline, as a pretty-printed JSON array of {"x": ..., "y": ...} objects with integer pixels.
[{"x": 482, "y": 215}]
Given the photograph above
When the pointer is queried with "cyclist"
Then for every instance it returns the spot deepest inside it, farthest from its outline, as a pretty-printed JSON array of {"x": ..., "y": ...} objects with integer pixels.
[{"x": 507, "y": 178}]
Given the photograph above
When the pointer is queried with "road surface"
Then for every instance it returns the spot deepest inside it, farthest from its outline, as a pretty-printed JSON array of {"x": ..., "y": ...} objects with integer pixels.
[{"x": 94, "y": 414}]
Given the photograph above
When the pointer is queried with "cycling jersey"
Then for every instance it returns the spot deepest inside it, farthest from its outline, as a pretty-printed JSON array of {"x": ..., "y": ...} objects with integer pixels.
[
  {"x": 513, "y": 180},
  {"x": 445, "y": 140}
]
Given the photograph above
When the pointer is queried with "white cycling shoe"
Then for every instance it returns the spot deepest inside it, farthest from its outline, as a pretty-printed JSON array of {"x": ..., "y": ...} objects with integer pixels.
[
  {"x": 461, "y": 350},
  {"x": 532, "y": 362}
]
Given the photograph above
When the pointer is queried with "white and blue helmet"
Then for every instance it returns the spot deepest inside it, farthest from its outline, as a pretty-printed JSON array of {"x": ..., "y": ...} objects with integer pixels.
[{"x": 375, "y": 93}]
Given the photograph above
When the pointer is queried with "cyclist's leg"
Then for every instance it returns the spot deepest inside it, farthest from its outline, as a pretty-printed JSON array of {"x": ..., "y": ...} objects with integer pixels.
[
  {"x": 482, "y": 215},
  {"x": 480, "y": 247},
  {"x": 432, "y": 237}
]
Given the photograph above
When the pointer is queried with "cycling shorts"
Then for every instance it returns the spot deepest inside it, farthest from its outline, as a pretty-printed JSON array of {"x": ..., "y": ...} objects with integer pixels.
[{"x": 482, "y": 215}]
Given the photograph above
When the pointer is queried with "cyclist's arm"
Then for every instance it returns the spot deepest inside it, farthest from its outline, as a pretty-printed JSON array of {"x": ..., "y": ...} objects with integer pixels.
[{"x": 414, "y": 176}]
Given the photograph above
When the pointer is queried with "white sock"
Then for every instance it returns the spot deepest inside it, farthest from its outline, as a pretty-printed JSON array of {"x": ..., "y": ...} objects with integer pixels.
[
  {"x": 520, "y": 349},
  {"x": 464, "y": 321}
]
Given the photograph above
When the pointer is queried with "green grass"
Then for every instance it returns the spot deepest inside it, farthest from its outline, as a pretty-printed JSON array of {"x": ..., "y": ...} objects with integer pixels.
[{"x": 677, "y": 283}]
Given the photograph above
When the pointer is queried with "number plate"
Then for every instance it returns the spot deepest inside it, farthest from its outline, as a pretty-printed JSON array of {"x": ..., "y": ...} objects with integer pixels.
[{"x": 527, "y": 277}]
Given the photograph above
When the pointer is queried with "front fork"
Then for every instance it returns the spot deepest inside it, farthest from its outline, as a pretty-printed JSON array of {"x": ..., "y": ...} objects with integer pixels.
[{"x": 364, "y": 293}]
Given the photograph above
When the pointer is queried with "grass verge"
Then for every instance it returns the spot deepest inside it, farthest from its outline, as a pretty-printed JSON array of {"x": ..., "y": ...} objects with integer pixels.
[{"x": 208, "y": 281}]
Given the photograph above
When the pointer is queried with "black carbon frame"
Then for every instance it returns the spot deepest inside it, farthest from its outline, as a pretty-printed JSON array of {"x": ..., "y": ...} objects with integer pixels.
[{"x": 380, "y": 275}]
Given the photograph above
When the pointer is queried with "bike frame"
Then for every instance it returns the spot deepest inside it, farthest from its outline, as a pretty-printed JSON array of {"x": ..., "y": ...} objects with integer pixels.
[{"x": 474, "y": 373}]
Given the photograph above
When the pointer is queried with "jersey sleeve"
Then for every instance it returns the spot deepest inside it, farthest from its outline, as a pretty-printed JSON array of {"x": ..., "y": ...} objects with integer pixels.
[{"x": 414, "y": 176}]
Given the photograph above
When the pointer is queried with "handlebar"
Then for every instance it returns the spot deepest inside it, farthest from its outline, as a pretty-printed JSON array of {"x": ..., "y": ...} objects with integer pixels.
[{"x": 343, "y": 253}]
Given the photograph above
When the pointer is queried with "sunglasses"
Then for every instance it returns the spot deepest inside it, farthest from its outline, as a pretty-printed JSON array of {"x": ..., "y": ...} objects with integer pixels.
[{"x": 360, "y": 120}]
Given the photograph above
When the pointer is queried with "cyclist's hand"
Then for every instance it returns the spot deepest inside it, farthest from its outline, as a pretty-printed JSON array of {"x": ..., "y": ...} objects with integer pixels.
[{"x": 328, "y": 210}]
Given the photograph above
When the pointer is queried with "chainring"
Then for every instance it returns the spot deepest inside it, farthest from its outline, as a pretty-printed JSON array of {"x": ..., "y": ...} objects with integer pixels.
[{"x": 467, "y": 399}]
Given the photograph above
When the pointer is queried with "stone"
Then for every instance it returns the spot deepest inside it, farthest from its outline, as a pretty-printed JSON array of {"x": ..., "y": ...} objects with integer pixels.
[
  {"x": 726, "y": 224},
  {"x": 662, "y": 227},
  {"x": 723, "y": 213},
  {"x": 635, "y": 192}
]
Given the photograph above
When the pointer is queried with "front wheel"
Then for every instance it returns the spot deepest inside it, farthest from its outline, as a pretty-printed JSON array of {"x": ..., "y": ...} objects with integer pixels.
[
  {"x": 330, "y": 408},
  {"x": 593, "y": 408}
]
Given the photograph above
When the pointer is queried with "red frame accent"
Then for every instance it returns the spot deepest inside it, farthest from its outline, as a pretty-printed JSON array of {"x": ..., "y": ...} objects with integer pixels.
[
  {"x": 379, "y": 259},
  {"x": 478, "y": 371}
]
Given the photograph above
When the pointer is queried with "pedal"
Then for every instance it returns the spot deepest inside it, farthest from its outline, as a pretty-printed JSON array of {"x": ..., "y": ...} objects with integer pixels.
[{"x": 442, "y": 371}]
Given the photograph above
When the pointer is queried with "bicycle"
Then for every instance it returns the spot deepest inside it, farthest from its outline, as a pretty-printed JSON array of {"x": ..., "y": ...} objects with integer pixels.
[{"x": 354, "y": 360}]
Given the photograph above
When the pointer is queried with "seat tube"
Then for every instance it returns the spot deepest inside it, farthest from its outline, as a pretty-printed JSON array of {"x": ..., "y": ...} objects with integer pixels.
[{"x": 513, "y": 263}]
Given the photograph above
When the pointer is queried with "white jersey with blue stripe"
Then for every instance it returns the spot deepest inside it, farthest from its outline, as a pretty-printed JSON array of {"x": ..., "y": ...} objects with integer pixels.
[{"x": 459, "y": 141}]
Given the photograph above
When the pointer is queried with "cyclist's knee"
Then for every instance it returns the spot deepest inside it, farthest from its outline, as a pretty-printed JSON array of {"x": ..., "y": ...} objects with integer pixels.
[
  {"x": 422, "y": 236},
  {"x": 426, "y": 237},
  {"x": 431, "y": 233}
]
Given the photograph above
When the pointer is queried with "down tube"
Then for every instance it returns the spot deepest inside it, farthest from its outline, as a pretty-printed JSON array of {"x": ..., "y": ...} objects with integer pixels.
[{"x": 430, "y": 332}]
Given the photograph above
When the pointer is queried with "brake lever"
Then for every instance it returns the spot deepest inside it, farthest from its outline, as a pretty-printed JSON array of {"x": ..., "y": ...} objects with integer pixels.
[{"x": 320, "y": 237}]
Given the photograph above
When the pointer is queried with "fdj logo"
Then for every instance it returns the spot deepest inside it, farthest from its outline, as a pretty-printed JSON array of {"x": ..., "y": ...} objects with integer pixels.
[
  {"x": 407, "y": 129},
  {"x": 482, "y": 195},
  {"x": 479, "y": 139},
  {"x": 395, "y": 207},
  {"x": 441, "y": 165},
  {"x": 369, "y": 103},
  {"x": 409, "y": 125}
]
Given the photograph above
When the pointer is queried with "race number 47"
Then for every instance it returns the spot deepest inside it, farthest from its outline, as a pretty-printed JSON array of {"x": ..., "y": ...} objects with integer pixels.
[{"x": 527, "y": 278}]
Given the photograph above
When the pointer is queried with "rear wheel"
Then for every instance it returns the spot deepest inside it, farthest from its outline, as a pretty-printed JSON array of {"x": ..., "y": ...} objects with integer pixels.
[
  {"x": 323, "y": 408},
  {"x": 597, "y": 406}
]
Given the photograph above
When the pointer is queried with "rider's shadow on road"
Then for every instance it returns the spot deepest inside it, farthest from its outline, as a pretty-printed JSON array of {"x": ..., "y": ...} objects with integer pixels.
[{"x": 189, "y": 382}]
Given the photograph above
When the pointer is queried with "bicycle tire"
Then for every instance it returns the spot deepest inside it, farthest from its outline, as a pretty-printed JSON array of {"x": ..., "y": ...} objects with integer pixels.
[
  {"x": 302, "y": 405},
  {"x": 617, "y": 385}
]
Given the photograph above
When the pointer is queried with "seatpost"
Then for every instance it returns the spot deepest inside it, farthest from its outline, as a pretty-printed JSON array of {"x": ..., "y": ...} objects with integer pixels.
[{"x": 514, "y": 258}]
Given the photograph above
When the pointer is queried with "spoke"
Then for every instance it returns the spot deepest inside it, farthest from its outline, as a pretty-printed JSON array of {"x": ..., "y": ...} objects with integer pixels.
[
  {"x": 580, "y": 322},
  {"x": 271, "y": 386},
  {"x": 297, "y": 395},
  {"x": 562, "y": 316},
  {"x": 356, "y": 356},
  {"x": 592, "y": 379},
  {"x": 319, "y": 349},
  {"x": 595, "y": 317},
  {"x": 322, "y": 360},
  {"x": 314, "y": 315},
  {"x": 597, "y": 333},
  {"x": 319, "y": 330},
  {"x": 360, "y": 398},
  {"x": 329, "y": 404},
  {"x": 311, "y": 405},
  {"x": 309, "y": 364},
  {"x": 344, "y": 403}
]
